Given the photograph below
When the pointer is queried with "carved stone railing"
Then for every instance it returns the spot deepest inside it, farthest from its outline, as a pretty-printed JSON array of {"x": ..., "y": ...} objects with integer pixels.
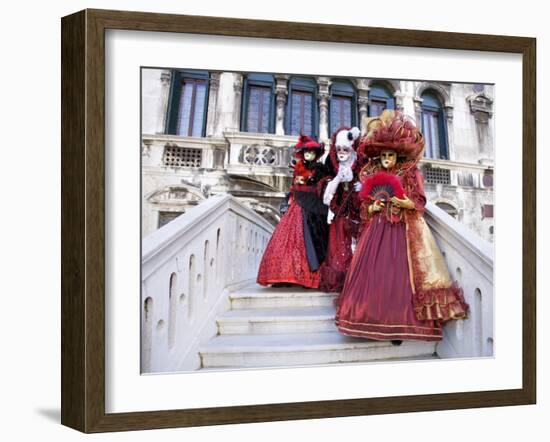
[
  {"x": 470, "y": 261},
  {"x": 175, "y": 152},
  {"x": 261, "y": 154},
  {"x": 455, "y": 173},
  {"x": 188, "y": 266}
]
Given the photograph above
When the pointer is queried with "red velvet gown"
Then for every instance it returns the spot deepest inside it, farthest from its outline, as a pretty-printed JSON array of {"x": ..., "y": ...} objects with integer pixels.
[
  {"x": 294, "y": 253},
  {"x": 377, "y": 299},
  {"x": 342, "y": 230}
]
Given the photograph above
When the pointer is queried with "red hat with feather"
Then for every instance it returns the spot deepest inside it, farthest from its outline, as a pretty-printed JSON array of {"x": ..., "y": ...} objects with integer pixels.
[
  {"x": 307, "y": 143},
  {"x": 392, "y": 131}
]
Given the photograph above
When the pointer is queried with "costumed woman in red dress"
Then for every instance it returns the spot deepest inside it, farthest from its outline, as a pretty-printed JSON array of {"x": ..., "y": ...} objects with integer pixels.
[
  {"x": 398, "y": 286},
  {"x": 298, "y": 245},
  {"x": 341, "y": 197}
]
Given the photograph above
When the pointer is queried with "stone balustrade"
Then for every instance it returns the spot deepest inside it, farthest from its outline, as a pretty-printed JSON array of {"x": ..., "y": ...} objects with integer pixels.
[
  {"x": 188, "y": 266},
  {"x": 175, "y": 152},
  {"x": 470, "y": 261},
  {"x": 454, "y": 173},
  {"x": 245, "y": 153}
]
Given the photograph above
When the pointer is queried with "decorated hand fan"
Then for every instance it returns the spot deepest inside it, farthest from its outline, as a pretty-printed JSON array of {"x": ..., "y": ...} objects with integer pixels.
[{"x": 382, "y": 186}]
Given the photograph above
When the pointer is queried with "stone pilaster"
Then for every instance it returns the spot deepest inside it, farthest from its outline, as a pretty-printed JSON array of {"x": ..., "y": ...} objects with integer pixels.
[
  {"x": 165, "y": 81},
  {"x": 212, "y": 103},
  {"x": 238, "y": 90},
  {"x": 481, "y": 107},
  {"x": 418, "y": 111}
]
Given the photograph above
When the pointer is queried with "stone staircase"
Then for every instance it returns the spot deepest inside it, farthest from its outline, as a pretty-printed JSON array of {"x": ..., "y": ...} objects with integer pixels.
[{"x": 276, "y": 327}]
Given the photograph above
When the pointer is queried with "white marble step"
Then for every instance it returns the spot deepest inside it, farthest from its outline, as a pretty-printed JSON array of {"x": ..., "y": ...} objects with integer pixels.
[
  {"x": 278, "y": 320},
  {"x": 256, "y": 296},
  {"x": 300, "y": 349}
]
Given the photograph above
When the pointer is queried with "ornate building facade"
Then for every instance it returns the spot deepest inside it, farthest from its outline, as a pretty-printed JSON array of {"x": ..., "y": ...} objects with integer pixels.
[{"x": 205, "y": 133}]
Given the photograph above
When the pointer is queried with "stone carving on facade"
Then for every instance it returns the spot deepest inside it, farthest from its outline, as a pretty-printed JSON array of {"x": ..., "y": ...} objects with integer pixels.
[
  {"x": 184, "y": 195},
  {"x": 481, "y": 106},
  {"x": 146, "y": 148},
  {"x": 258, "y": 155}
]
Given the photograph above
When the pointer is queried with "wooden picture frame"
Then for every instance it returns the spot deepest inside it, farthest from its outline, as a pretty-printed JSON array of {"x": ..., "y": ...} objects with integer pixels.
[{"x": 83, "y": 220}]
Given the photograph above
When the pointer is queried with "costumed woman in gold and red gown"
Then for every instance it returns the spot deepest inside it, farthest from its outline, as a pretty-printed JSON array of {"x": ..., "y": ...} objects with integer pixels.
[
  {"x": 298, "y": 245},
  {"x": 341, "y": 197},
  {"x": 398, "y": 286}
]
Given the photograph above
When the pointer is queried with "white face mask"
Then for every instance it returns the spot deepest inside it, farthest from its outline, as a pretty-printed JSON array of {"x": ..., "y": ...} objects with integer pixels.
[
  {"x": 343, "y": 154},
  {"x": 309, "y": 155}
]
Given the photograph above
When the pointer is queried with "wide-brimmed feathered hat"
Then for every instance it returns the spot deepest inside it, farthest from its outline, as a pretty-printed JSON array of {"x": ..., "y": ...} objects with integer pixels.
[
  {"x": 307, "y": 143},
  {"x": 392, "y": 131}
]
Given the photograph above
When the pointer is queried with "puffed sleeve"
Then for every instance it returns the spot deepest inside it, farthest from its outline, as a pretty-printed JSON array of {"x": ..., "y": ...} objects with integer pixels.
[{"x": 415, "y": 190}]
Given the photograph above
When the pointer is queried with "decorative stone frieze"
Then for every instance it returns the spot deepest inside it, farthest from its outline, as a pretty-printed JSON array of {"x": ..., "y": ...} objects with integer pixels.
[{"x": 481, "y": 106}]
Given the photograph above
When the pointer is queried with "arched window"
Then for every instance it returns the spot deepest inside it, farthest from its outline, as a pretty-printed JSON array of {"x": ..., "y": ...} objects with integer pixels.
[
  {"x": 301, "y": 115},
  {"x": 433, "y": 126},
  {"x": 380, "y": 99},
  {"x": 258, "y": 111},
  {"x": 188, "y": 103},
  {"x": 343, "y": 105}
]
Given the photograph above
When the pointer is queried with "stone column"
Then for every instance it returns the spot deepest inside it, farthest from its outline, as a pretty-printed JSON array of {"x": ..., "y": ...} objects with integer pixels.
[
  {"x": 281, "y": 91},
  {"x": 212, "y": 103},
  {"x": 323, "y": 84},
  {"x": 448, "y": 109},
  {"x": 363, "y": 103},
  {"x": 165, "y": 81},
  {"x": 418, "y": 111},
  {"x": 399, "y": 105},
  {"x": 362, "y": 87},
  {"x": 237, "y": 99}
]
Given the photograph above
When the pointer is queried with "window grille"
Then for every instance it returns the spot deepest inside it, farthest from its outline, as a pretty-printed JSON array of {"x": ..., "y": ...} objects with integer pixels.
[
  {"x": 176, "y": 156},
  {"x": 437, "y": 176}
]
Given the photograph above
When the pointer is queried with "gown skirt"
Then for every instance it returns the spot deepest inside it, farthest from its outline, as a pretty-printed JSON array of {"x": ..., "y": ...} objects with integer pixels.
[
  {"x": 285, "y": 257},
  {"x": 376, "y": 301},
  {"x": 339, "y": 254}
]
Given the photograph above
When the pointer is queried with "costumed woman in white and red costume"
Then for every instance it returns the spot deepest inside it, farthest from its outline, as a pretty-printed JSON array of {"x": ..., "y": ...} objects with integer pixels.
[
  {"x": 398, "y": 286},
  {"x": 341, "y": 197},
  {"x": 297, "y": 247}
]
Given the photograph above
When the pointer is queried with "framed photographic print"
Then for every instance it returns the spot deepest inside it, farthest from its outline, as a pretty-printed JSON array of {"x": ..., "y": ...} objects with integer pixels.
[{"x": 269, "y": 221}]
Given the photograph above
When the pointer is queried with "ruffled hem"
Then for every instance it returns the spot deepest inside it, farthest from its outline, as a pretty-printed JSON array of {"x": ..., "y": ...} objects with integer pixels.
[{"x": 443, "y": 304}]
